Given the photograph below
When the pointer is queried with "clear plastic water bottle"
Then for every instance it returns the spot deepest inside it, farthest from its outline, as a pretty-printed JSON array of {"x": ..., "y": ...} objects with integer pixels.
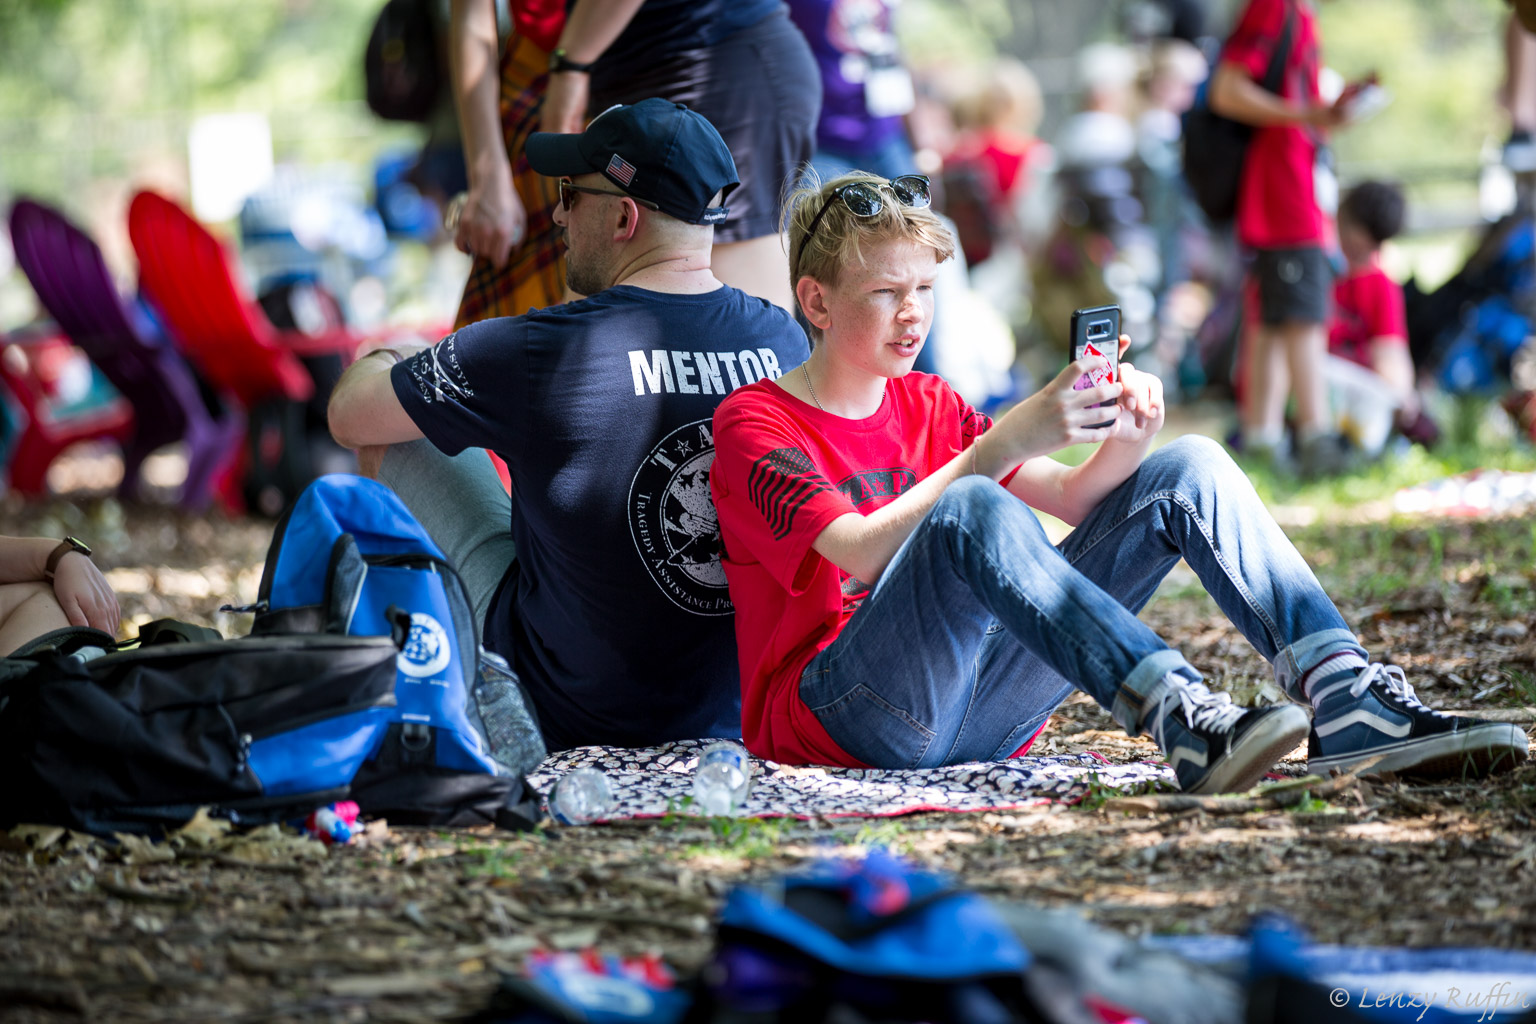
[
  {"x": 581, "y": 796},
  {"x": 724, "y": 775}
]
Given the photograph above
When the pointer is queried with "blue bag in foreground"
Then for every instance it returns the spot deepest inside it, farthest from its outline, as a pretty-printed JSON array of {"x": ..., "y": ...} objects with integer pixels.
[
  {"x": 872, "y": 940},
  {"x": 349, "y": 558}
]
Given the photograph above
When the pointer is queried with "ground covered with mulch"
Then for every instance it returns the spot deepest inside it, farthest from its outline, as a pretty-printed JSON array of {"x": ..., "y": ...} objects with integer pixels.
[{"x": 413, "y": 924}]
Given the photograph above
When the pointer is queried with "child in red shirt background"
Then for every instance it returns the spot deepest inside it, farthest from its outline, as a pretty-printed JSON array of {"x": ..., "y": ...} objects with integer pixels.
[{"x": 1369, "y": 325}]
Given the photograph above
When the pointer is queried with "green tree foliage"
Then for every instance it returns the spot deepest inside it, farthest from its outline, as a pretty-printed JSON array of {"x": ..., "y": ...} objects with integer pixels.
[
  {"x": 88, "y": 88},
  {"x": 1442, "y": 60}
]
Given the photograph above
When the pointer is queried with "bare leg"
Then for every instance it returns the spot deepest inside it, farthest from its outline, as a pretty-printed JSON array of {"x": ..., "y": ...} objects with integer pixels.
[
  {"x": 1520, "y": 82},
  {"x": 1305, "y": 345},
  {"x": 758, "y": 266},
  {"x": 1266, "y": 382},
  {"x": 27, "y": 610}
]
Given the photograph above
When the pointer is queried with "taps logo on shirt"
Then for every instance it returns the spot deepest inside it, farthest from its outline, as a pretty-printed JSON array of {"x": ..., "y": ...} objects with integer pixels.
[{"x": 673, "y": 522}]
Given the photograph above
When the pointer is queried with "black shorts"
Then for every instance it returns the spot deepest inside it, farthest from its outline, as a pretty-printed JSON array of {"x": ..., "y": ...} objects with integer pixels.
[
  {"x": 761, "y": 90},
  {"x": 1294, "y": 285}
]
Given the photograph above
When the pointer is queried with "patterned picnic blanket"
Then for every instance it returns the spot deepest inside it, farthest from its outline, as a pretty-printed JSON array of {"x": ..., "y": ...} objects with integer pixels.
[{"x": 651, "y": 782}]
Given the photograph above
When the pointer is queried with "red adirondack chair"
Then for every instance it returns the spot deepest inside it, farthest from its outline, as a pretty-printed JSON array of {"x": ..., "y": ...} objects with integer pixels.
[
  {"x": 190, "y": 276},
  {"x": 71, "y": 279},
  {"x": 29, "y": 380}
]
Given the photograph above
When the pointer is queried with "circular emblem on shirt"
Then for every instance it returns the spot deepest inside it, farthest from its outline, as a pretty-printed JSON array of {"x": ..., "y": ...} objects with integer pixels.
[
  {"x": 427, "y": 651},
  {"x": 672, "y": 520}
]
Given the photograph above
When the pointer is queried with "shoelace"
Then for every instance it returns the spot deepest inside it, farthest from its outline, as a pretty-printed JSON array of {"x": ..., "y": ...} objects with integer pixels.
[
  {"x": 1202, "y": 708},
  {"x": 1396, "y": 683}
]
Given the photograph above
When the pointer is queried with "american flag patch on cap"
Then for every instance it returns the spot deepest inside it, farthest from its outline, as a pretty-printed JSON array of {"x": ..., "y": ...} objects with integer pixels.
[{"x": 621, "y": 170}]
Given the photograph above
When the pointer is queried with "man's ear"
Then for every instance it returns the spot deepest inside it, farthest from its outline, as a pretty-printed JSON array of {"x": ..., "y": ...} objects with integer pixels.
[
  {"x": 813, "y": 302},
  {"x": 627, "y": 221}
]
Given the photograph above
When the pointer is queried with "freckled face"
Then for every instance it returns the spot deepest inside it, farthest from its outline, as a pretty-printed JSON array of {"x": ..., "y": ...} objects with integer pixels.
[{"x": 879, "y": 313}]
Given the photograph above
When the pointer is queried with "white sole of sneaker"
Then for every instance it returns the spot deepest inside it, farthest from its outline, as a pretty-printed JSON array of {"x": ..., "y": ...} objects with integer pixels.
[
  {"x": 1472, "y": 753},
  {"x": 1256, "y": 753}
]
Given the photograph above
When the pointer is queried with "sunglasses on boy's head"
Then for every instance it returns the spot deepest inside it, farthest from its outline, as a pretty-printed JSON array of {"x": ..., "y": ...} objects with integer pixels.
[
  {"x": 863, "y": 199},
  {"x": 569, "y": 188}
]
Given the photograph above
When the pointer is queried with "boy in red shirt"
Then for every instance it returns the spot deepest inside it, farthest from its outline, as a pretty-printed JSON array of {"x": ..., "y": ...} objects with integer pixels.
[
  {"x": 1369, "y": 320},
  {"x": 898, "y": 604}
]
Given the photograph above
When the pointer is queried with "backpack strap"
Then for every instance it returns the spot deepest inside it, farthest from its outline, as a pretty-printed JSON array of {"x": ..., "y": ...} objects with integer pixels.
[
  {"x": 66, "y": 640},
  {"x": 1274, "y": 75},
  {"x": 520, "y": 811},
  {"x": 174, "y": 631}
]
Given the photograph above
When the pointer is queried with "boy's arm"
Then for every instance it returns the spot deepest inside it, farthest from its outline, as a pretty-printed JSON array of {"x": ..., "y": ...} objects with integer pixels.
[
  {"x": 1070, "y": 493},
  {"x": 1235, "y": 95},
  {"x": 1050, "y": 419},
  {"x": 364, "y": 409}
]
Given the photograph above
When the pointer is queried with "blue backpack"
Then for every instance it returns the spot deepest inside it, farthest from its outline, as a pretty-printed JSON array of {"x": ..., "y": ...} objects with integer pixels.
[{"x": 349, "y": 558}]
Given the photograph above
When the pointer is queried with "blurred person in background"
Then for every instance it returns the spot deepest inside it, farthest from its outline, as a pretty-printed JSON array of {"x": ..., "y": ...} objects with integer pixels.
[
  {"x": 1175, "y": 69},
  {"x": 1282, "y": 217},
  {"x": 1099, "y": 249},
  {"x": 505, "y": 221},
  {"x": 993, "y": 172},
  {"x": 742, "y": 64},
  {"x": 866, "y": 90},
  {"x": 1369, "y": 326}
]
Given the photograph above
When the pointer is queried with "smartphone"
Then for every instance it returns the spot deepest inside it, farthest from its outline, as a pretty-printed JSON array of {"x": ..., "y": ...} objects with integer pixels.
[{"x": 1096, "y": 331}]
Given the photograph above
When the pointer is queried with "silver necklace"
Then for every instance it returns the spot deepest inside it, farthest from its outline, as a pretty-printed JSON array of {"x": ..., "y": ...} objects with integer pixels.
[{"x": 812, "y": 390}]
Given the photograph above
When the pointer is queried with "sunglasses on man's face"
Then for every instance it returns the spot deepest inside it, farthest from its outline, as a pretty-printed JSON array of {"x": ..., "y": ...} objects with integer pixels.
[
  {"x": 863, "y": 199},
  {"x": 569, "y": 188}
]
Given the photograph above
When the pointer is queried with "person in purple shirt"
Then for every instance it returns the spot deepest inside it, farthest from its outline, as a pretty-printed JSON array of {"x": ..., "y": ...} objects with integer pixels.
[{"x": 865, "y": 89}]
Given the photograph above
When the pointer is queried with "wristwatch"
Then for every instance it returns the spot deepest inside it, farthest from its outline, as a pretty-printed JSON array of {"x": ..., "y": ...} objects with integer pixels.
[
  {"x": 66, "y": 545},
  {"x": 558, "y": 61}
]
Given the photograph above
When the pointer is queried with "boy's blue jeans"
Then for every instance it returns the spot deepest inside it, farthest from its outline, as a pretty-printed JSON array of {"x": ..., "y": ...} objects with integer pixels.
[{"x": 979, "y": 627}]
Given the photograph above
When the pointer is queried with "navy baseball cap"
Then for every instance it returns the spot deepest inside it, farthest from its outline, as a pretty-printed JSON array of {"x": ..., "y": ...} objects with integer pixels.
[{"x": 654, "y": 150}]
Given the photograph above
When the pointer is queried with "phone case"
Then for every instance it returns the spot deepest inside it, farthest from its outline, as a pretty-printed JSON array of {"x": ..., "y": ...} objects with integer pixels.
[{"x": 1096, "y": 331}]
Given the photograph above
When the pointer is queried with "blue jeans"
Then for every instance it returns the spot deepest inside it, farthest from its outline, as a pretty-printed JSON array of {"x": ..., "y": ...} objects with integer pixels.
[{"x": 979, "y": 627}]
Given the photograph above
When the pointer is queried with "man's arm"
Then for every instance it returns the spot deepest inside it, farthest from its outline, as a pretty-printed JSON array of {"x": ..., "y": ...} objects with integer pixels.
[{"x": 364, "y": 409}]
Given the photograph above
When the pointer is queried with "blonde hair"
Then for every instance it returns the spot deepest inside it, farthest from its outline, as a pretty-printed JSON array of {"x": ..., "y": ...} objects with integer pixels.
[{"x": 841, "y": 234}]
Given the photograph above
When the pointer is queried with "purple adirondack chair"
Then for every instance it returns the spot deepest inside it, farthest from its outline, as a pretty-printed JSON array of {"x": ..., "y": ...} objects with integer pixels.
[{"x": 70, "y": 277}]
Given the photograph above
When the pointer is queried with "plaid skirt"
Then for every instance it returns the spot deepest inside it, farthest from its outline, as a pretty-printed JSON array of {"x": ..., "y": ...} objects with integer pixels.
[{"x": 534, "y": 277}]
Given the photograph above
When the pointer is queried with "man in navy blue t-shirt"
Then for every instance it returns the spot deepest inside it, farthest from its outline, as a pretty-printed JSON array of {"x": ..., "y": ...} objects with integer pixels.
[{"x": 607, "y": 593}]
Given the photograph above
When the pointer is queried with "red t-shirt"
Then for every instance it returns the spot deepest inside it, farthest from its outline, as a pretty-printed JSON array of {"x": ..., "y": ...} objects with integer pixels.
[
  {"x": 541, "y": 21},
  {"x": 1276, "y": 205},
  {"x": 783, "y": 471},
  {"x": 1367, "y": 306}
]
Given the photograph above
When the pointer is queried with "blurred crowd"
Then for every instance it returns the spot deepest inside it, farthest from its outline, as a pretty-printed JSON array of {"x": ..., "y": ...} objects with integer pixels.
[
  {"x": 1076, "y": 202},
  {"x": 1098, "y": 210}
]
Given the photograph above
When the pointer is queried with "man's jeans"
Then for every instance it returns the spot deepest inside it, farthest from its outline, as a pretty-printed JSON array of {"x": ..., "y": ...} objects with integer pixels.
[{"x": 979, "y": 627}]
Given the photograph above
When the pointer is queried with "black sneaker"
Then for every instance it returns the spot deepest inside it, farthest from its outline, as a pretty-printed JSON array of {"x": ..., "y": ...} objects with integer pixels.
[
  {"x": 1214, "y": 746},
  {"x": 1378, "y": 715}
]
